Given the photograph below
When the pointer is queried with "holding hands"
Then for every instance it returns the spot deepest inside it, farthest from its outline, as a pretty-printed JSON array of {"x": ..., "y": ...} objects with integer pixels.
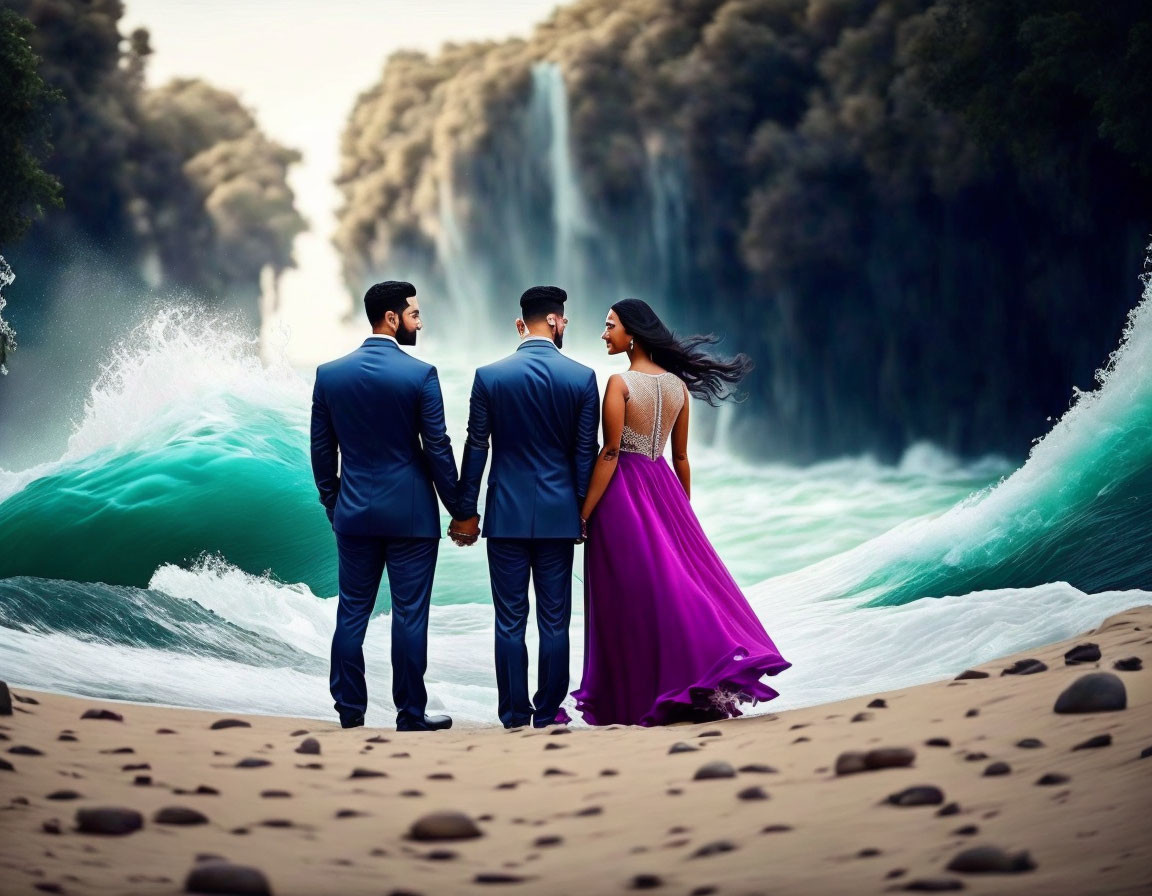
[{"x": 464, "y": 532}]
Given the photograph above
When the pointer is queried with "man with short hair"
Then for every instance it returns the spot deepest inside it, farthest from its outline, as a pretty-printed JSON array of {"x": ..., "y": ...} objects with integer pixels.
[
  {"x": 541, "y": 411},
  {"x": 380, "y": 453}
]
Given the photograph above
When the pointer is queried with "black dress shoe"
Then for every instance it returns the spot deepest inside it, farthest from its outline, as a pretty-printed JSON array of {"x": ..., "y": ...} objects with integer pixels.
[
  {"x": 428, "y": 723},
  {"x": 351, "y": 721}
]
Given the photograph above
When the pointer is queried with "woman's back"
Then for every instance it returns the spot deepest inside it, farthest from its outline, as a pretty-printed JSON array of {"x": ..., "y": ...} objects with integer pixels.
[{"x": 653, "y": 403}]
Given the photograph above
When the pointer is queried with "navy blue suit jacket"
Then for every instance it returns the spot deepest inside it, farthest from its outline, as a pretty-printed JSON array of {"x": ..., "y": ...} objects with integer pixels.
[
  {"x": 540, "y": 410},
  {"x": 381, "y": 410}
]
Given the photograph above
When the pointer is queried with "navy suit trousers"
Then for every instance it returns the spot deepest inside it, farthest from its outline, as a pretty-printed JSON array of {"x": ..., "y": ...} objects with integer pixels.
[
  {"x": 549, "y": 561},
  {"x": 411, "y": 564}
]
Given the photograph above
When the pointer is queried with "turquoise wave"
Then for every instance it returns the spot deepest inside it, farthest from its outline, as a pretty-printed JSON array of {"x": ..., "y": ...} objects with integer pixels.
[
  {"x": 239, "y": 486},
  {"x": 1078, "y": 511}
]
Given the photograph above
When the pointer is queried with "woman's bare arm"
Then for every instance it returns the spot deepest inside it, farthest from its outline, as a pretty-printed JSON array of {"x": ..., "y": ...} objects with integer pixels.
[
  {"x": 613, "y": 421},
  {"x": 680, "y": 447}
]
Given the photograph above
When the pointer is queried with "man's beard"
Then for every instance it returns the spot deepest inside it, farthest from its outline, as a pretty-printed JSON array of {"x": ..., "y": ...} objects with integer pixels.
[
  {"x": 405, "y": 336},
  {"x": 559, "y": 340}
]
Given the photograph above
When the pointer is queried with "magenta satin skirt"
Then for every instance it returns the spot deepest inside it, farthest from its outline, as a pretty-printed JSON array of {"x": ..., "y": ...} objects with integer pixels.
[{"x": 669, "y": 636}]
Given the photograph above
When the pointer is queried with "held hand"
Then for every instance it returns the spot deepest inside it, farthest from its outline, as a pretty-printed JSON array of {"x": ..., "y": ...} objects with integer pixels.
[
  {"x": 583, "y": 531},
  {"x": 465, "y": 532}
]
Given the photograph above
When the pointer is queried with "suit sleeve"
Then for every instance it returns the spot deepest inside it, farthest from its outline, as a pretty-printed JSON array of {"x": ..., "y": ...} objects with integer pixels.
[
  {"x": 586, "y": 445},
  {"x": 325, "y": 451},
  {"x": 475, "y": 449},
  {"x": 437, "y": 445}
]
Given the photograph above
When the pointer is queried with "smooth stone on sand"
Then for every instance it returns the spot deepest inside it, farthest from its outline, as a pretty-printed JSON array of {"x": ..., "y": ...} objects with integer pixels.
[
  {"x": 179, "y": 815},
  {"x": 52, "y": 826},
  {"x": 108, "y": 820},
  {"x": 711, "y": 734},
  {"x": 21, "y": 750},
  {"x": 367, "y": 773},
  {"x": 681, "y": 747},
  {"x": 105, "y": 714},
  {"x": 991, "y": 859},
  {"x": 997, "y": 768},
  {"x": 1146, "y": 752},
  {"x": 1052, "y": 778},
  {"x": 1030, "y": 743},
  {"x": 645, "y": 882},
  {"x": 878, "y": 703},
  {"x": 925, "y": 795},
  {"x": 937, "y": 742},
  {"x": 934, "y": 885},
  {"x": 714, "y": 770},
  {"x": 5, "y": 699},
  {"x": 757, "y": 768},
  {"x": 309, "y": 747},
  {"x": 444, "y": 825},
  {"x": 861, "y": 717},
  {"x": 224, "y": 877},
  {"x": 350, "y": 813},
  {"x": 64, "y": 795},
  {"x": 1025, "y": 667},
  {"x": 850, "y": 762},
  {"x": 715, "y": 848},
  {"x": 1094, "y": 692},
  {"x": 949, "y": 809},
  {"x": 967, "y": 830},
  {"x": 551, "y": 840},
  {"x": 1100, "y": 740},
  {"x": 229, "y": 723},
  {"x": 252, "y": 762},
  {"x": 142, "y": 781},
  {"x": 969, "y": 674},
  {"x": 68, "y": 737},
  {"x": 752, "y": 793},
  {"x": 1129, "y": 664},
  {"x": 1082, "y": 653}
]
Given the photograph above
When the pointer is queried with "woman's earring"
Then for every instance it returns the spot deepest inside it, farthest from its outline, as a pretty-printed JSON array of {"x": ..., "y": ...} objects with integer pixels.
[{"x": 631, "y": 344}]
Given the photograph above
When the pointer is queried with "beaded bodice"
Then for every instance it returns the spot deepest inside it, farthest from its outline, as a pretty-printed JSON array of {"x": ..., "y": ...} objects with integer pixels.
[{"x": 653, "y": 404}]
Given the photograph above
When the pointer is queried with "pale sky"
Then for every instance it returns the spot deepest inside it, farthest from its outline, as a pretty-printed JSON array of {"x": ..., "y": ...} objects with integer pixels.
[{"x": 299, "y": 65}]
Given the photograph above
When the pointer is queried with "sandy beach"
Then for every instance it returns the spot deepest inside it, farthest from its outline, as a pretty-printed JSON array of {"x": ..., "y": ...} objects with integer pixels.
[{"x": 745, "y": 806}]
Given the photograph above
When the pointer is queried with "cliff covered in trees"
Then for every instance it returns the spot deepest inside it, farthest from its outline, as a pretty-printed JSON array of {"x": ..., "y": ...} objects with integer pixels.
[
  {"x": 924, "y": 219},
  {"x": 174, "y": 187}
]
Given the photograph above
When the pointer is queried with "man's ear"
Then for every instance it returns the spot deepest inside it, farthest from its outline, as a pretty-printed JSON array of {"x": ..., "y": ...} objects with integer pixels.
[
  {"x": 394, "y": 323},
  {"x": 521, "y": 327}
]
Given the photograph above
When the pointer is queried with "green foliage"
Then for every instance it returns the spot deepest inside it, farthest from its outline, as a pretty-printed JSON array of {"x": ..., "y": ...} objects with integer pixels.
[{"x": 26, "y": 190}]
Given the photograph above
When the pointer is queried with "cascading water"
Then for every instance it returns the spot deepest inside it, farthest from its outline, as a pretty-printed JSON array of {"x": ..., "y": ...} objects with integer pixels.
[{"x": 7, "y": 335}]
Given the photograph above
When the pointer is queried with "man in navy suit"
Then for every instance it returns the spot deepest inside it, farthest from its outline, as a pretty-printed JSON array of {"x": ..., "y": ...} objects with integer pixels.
[
  {"x": 540, "y": 410},
  {"x": 379, "y": 447}
]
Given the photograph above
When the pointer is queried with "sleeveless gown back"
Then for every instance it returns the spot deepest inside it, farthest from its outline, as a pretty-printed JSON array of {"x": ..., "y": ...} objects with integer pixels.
[{"x": 669, "y": 636}]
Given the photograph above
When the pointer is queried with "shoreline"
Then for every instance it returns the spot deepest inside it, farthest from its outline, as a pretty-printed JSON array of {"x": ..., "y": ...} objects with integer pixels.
[{"x": 608, "y": 810}]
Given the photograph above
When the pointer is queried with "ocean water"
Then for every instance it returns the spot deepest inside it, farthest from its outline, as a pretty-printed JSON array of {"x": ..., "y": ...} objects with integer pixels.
[{"x": 176, "y": 551}]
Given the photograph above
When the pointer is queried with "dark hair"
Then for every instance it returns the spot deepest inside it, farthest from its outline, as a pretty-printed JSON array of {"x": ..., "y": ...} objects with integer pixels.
[
  {"x": 391, "y": 295},
  {"x": 538, "y": 302},
  {"x": 706, "y": 377}
]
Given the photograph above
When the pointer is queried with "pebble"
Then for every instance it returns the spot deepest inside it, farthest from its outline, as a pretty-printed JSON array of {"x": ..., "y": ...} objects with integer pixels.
[
  {"x": 108, "y": 820},
  {"x": 968, "y": 674},
  {"x": 1052, "y": 778},
  {"x": 713, "y": 770},
  {"x": 229, "y": 723},
  {"x": 64, "y": 795},
  {"x": 710, "y": 734},
  {"x": 861, "y": 717},
  {"x": 1095, "y": 692},
  {"x": 991, "y": 859},
  {"x": 878, "y": 703},
  {"x": 105, "y": 714},
  {"x": 444, "y": 825},
  {"x": 1100, "y": 740},
  {"x": 309, "y": 747},
  {"x": 252, "y": 762},
  {"x": 752, "y": 793},
  {"x": 367, "y": 773},
  {"x": 1082, "y": 653},
  {"x": 934, "y": 885},
  {"x": 179, "y": 815},
  {"x": 1025, "y": 667},
  {"x": 949, "y": 809},
  {"x": 681, "y": 747},
  {"x": 926, "y": 795},
  {"x": 51, "y": 826},
  {"x": 1129, "y": 664},
  {"x": 275, "y": 794},
  {"x": 1030, "y": 743},
  {"x": 997, "y": 768},
  {"x": 224, "y": 877},
  {"x": 21, "y": 750},
  {"x": 646, "y": 882},
  {"x": 715, "y": 848},
  {"x": 550, "y": 840},
  {"x": 967, "y": 830},
  {"x": 757, "y": 769},
  {"x": 5, "y": 700},
  {"x": 937, "y": 742}
]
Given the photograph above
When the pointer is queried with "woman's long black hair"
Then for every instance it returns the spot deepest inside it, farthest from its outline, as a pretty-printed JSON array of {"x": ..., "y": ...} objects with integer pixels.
[{"x": 706, "y": 377}]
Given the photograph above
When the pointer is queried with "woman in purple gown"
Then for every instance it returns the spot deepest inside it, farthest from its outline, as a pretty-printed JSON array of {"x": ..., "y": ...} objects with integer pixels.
[{"x": 668, "y": 634}]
